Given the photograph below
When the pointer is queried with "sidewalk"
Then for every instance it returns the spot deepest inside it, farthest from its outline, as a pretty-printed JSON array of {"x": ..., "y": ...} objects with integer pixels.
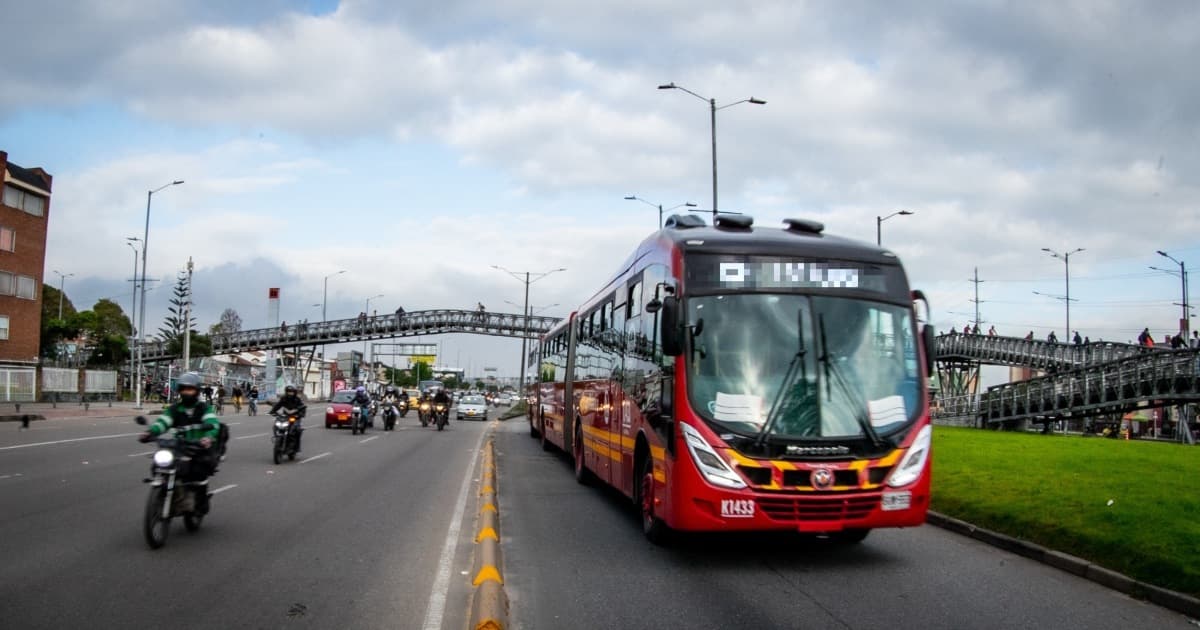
[{"x": 49, "y": 411}]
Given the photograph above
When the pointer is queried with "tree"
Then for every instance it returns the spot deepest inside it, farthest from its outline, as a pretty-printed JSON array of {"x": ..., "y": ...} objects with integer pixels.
[
  {"x": 230, "y": 323},
  {"x": 107, "y": 329},
  {"x": 174, "y": 325},
  {"x": 55, "y": 330}
]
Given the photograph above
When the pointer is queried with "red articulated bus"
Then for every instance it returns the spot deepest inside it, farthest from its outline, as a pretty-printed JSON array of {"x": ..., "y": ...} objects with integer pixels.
[{"x": 740, "y": 378}]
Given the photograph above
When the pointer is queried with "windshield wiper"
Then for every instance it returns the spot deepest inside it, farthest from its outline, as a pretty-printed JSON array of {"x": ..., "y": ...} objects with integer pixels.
[
  {"x": 797, "y": 366},
  {"x": 856, "y": 399}
]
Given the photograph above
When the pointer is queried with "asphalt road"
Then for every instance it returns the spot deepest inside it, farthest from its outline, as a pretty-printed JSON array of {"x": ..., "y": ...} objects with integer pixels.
[
  {"x": 350, "y": 535},
  {"x": 575, "y": 557}
]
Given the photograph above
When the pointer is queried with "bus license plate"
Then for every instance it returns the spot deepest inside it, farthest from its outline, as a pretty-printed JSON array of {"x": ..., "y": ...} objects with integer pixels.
[{"x": 893, "y": 501}]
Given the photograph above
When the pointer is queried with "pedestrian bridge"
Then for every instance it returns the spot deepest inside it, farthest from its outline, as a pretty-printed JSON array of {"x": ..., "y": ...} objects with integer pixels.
[
  {"x": 411, "y": 324},
  {"x": 1031, "y": 353},
  {"x": 1080, "y": 380}
]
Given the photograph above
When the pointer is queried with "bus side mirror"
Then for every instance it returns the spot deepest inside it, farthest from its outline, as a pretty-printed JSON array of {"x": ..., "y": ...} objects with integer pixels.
[
  {"x": 672, "y": 342},
  {"x": 930, "y": 338}
]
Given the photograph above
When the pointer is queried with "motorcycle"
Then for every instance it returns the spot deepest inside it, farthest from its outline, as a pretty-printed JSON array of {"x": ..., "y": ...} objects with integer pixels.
[
  {"x": 252, "y": 405},
  {"x": 423, "y": 411},
  {"x": 359, "y": 420},
  {"x": 441, "y": 414},
  {"x": 170, "y": 497},
  {"x": 389, "y": 417},
  {"x": 287, "y": 435},
  {"x": 402, "y": 407}
]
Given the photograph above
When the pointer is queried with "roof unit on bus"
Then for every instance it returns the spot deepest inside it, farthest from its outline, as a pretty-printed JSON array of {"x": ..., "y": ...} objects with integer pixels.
[
  {"x": 684, "y": 221},
  {"x": 804, "y": 226},
  {"x": 733, "y": 221}
]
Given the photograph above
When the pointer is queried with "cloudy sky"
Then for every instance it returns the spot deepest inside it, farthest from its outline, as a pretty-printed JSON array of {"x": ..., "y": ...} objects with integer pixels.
[{"x": 418, "y": 144}]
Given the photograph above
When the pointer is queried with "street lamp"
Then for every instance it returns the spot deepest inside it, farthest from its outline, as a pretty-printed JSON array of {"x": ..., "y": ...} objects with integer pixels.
[
  {"x": 62, "y": 279},
  {"x": 525, "y": 309},
  {"x": 367, "y": 312},
  {"x": 659, "y": 206},
  {"x": 142, "y": 314},
  {"x": 712, "y": 107},
  {"x": 325, "y": 293},
  {"x": 1066, "y": 258},
  {"x": 1185, "y": 322},
  {"x": 879, "y": 224}
]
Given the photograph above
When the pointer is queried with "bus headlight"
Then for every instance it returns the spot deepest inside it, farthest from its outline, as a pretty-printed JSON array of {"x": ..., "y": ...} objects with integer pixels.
[
  {"x": 913, "y": 461},
  {"x": 714, "y": 469},
  {"x": 163, "y": 458}
]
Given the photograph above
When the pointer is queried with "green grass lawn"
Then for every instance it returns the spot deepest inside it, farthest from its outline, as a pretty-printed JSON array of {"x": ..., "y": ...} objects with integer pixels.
[{"x": 1054, "y": 491}]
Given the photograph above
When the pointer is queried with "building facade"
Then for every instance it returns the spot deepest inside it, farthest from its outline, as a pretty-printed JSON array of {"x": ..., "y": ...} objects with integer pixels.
[{"x": 24, "y": 217}]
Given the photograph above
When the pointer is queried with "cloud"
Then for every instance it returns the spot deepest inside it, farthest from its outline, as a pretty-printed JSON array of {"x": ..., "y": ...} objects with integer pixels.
[{"x": 1005, "y": 129}]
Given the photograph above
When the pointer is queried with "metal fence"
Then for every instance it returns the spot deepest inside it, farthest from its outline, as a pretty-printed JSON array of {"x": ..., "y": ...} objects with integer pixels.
[
  {"x": 18, "y": 384},
  {"x": 60, "y": 380},
  {"x": 99, "y": 381}
]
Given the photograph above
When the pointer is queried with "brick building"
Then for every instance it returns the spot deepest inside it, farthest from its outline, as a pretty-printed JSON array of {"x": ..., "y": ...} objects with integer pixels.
[{"x": 24, "y": 217}]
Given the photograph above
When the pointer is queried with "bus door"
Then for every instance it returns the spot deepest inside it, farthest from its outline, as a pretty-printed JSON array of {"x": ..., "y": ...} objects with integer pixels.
[{"x": 632, "y": 381}]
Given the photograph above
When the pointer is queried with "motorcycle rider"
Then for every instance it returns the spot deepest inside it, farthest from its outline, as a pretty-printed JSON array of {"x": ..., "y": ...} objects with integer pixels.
[
  {"x": 440, "y": 397},
  {"x": 193, "y": 420},
  {"x": 362, "y": 400},
  {"x": 291, "y": 400}
]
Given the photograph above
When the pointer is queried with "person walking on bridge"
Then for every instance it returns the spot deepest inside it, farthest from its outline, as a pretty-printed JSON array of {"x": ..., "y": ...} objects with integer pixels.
[
  {"x": 1077, "y": 340},
  {"x": 1145, "y": 339},
  {"x": 1052, "y": 338}
]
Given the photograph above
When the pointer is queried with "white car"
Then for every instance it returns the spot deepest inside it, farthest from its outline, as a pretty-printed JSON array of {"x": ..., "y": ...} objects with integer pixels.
[{"x": 472, "y": 407}]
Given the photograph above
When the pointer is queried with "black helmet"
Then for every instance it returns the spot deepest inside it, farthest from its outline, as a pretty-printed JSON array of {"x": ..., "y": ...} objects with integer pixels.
[
  {"x": 189, "y": 379},
  {"x": 290, "y": 390}
]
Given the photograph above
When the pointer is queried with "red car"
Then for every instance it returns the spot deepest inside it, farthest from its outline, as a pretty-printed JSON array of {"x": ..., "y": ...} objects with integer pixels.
[{"x": 340, "y": 408}]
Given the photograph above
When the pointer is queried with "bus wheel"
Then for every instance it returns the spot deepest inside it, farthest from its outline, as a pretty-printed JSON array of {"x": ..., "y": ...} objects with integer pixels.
[
  {"x": 654, "y": 528},
  {"x": 582, "y": 474},
  {"x": 533, "y": 430}
]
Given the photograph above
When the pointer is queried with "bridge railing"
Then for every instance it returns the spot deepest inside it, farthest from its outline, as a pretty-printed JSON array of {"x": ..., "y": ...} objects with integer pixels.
[
  {"x": 370, "y": 327},
  {"x": 1159, "y": 378},
  {"x": 1033, "y": 353}
]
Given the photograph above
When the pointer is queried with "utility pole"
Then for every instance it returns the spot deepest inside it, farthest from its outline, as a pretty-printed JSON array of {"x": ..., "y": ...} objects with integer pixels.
[
  {"x": 976, "y": 281},
  {"x": 187, "y": 321}
]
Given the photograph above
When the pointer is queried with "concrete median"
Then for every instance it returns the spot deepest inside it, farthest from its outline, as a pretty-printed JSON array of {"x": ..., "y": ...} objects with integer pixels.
[{"x": 489, "y": 603}]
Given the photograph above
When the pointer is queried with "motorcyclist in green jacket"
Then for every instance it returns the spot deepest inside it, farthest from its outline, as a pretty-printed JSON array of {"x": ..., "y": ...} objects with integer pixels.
[{"x": 193, "y": 420}]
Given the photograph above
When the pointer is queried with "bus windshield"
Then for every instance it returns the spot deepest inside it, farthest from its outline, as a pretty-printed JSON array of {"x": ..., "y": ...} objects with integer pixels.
[{"x": 848, "y": 363}]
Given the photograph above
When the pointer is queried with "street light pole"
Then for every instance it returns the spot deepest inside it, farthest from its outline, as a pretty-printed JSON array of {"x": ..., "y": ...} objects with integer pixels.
[
  {"x": 525, "y": 312},
  {"x": 659, "y": 206},
  {"x": 325, "y": 293},
  {"x": 1066, "y": 258},
  {"x": 142, "y": 313},
  {"x": 62, "y": 280},
  {"x": 879, "y": 224},
  {"x": 1185, "y": 323},
  {"x": 712, "y": 109}
]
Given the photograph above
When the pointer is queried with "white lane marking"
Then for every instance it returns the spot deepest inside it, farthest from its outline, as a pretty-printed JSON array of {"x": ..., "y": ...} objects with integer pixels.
[
  {"x": 247, "y": 437},
  {"x": 82, "y": 439},
  {"x": 141, "y": 454},
  {"x": 373, "y": 437},
  {"x": 224, "y": 488},
  {"x": 325, "y": 454},
  {"x": 441, "y": 584}
]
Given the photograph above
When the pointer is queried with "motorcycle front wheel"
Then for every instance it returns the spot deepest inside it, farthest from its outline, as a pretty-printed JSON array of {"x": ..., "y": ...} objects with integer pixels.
[
  {"x": 278, "y": 455},
  {"x": 154, "y": 526}
]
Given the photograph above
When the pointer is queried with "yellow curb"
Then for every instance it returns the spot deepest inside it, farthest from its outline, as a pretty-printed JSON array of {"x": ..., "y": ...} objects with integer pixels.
[
  {"x": 487, "y": 532},
  {"x": 488, "y": 572},
  {"x": 488, "y": 508},
  {"x": 487, "y": 490}
]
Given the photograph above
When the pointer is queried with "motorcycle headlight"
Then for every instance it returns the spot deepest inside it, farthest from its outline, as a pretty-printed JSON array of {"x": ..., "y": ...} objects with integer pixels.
[
  {"x": 356, "y": 410},
  {"x": 163, "y": 458},
  {"x": 714, "y": 469},
  {"x": 913, "y": 461},
  {"x": 280, "y": 424}
]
